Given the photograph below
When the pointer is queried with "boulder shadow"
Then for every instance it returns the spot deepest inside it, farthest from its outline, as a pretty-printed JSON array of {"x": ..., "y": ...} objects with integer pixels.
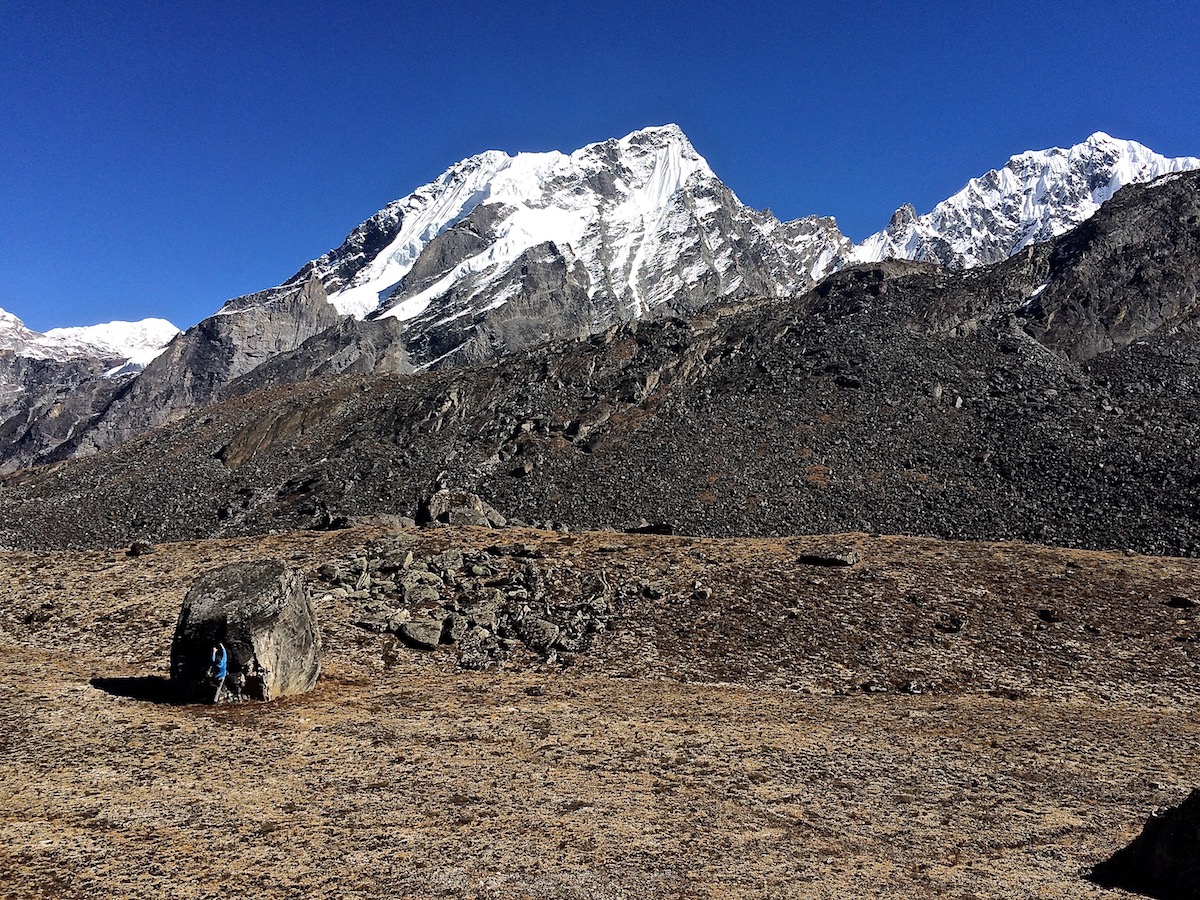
[{"x": 150, "y": 688}]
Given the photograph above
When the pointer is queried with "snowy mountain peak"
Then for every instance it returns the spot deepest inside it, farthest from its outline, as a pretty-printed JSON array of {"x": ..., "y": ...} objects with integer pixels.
[
  {"x": 133, "y": 344},
  {"x": 1037, "y": 195},
  {"x": 620, "y": 227}
]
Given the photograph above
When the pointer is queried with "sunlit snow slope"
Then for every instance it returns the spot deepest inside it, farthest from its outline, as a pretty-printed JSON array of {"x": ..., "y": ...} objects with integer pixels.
[
  {"x": 133, "y": 343},
  {"x": 1037, "y": 195},
  {"x": 604, "y": 234}
]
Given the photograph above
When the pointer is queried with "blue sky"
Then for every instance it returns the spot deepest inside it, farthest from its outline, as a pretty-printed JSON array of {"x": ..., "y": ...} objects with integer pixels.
[{"x": 157, "y": 159}]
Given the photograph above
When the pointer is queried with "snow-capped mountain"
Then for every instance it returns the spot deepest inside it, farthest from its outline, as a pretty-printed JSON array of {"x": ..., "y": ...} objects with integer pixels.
[
  {"x": 133, "y": 344},
  {"x": 611, "y": 232},
  {"x": 1036, "y": 196},
  {"x": 503, "y": 252}
]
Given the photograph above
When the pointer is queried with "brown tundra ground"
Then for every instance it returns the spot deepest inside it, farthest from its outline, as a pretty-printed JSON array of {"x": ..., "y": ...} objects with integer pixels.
[{"x": 939, "y": 719}]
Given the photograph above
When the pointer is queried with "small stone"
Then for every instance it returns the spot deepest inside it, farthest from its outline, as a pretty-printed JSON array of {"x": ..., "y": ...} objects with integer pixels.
[
  {"x": 949, "y": 624},
  {"x": 140, "y": 548},
  {"x": 424, "y": 634}
]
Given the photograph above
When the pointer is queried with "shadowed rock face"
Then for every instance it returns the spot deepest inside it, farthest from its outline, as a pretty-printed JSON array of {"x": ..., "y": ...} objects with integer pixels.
[
  {"x": 262, "y": 614},
  {"x": 43, "y": 402},
  {"x": 1124, "y": 274},
  {"x": 201, "y": 362},
  {"x": 898, "y": 398},
  {"x": 1164, "y": 860}
]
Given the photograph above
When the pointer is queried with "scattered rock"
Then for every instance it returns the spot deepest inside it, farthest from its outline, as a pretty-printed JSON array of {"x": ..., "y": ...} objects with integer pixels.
[
  {"x": 949, "y": 624},
  {"x": 140, "y": 548},
  {"x": 538, "y": 634},
  {"x": 458, "y": 507},
  {"x": 423, "y": 634},
  {"x": 845, "y": 558},
  {"x": 645, "y": 527}
]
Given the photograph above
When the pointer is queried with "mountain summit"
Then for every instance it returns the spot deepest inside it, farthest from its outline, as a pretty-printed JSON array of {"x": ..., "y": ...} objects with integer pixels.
[
  {"x": 1036, "y": 196},
  {"x": 570, "y": 243}
]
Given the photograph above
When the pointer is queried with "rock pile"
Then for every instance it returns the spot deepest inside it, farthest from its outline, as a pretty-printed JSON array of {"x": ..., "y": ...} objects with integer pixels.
[
  {"x": 261, "y": 614},
  {"x": 503, "y": 602},
  {"x": 457, "y": 507}
]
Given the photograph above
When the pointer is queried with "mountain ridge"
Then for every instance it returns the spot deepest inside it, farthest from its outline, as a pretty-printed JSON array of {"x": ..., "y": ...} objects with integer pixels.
[
  {"x": 505, "y": 252},
  {"x": 897, "y": 397},
  {"x": 1037, "y": 195}
]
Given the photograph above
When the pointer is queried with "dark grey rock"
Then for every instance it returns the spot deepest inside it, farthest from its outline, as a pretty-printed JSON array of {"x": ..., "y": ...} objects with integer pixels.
[
  {"x": 1162, "y": 861},
  {"x": 458, "y": 507},
  {"x": 424, "y": 634},
  {"x": 537, "y": 634},
  {"x": 455, "y": 628},
  {"x": 421, "y": 589},
  {"x": 262, "y": 614},
  {"x": 842, "y": 558}
]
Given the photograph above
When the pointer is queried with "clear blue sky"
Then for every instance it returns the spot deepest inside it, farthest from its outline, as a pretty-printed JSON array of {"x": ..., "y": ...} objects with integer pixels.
[{"x": 159, "y": 158}]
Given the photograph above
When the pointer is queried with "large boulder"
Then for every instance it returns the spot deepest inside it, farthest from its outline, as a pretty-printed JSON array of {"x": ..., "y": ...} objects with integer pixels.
[
  {"x": 262, "y": 614},
  {"x": 1164, "y": 860},
  {"x": 459, "y": 507}
]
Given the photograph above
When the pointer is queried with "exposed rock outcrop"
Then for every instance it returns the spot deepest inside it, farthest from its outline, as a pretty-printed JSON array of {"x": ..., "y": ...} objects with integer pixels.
[
  {"x": 260, "y": 613},
  {"x": 201, "y": 362}
]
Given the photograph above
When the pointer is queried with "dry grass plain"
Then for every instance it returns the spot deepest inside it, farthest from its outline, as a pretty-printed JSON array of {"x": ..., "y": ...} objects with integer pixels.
[{"x": 716, "y": 746}]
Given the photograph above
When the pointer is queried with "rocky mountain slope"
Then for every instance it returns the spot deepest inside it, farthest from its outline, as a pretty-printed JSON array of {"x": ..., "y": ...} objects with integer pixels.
[
  {"x": 1052, "y": 397},
  {"x": 1036, "y": 196},
  {"x": 502, "y": 253},
  {"x": 53, "y": 384}
]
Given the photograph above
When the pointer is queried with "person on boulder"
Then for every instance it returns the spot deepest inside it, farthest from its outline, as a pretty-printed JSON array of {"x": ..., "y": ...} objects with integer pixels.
[{"x": 218, "y": 670}]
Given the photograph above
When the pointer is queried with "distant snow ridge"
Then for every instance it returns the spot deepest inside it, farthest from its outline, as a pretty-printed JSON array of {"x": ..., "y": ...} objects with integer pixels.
[
  {"x": 134, "y": 344},
  {"x": 1036, "y": 196},
  {"x": 634, "y": 223}
]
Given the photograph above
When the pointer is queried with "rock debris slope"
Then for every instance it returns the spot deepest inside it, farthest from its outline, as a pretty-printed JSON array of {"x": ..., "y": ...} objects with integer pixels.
[
  {"x": 504, "y": 252},
  {"x": 898, "y": 398}
]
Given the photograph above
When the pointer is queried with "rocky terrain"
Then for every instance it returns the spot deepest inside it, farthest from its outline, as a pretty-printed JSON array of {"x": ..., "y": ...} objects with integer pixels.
[
  {"x": 652, "y": 635},
  {"x": 841, "y": 716},
  {"x": 1049, "y": 398},
  {"x": 502, "y": 253}
]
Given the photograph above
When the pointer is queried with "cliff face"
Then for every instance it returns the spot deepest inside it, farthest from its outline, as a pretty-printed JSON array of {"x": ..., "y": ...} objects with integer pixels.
[{"x": 199, "y": 363}]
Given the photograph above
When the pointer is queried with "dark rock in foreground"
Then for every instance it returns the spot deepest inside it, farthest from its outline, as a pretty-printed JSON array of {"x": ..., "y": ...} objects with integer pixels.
[
  {"x": 262, "y": 614},
  {"x": 1164, "y": 860}
]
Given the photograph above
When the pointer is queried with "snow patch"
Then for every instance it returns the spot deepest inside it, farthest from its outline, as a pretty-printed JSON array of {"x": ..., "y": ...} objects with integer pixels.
[{"x": 1039, "y": 194}]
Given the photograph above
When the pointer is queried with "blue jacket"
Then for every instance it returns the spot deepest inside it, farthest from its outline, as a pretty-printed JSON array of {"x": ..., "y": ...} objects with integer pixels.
[{"x": 220, "y": 665}]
